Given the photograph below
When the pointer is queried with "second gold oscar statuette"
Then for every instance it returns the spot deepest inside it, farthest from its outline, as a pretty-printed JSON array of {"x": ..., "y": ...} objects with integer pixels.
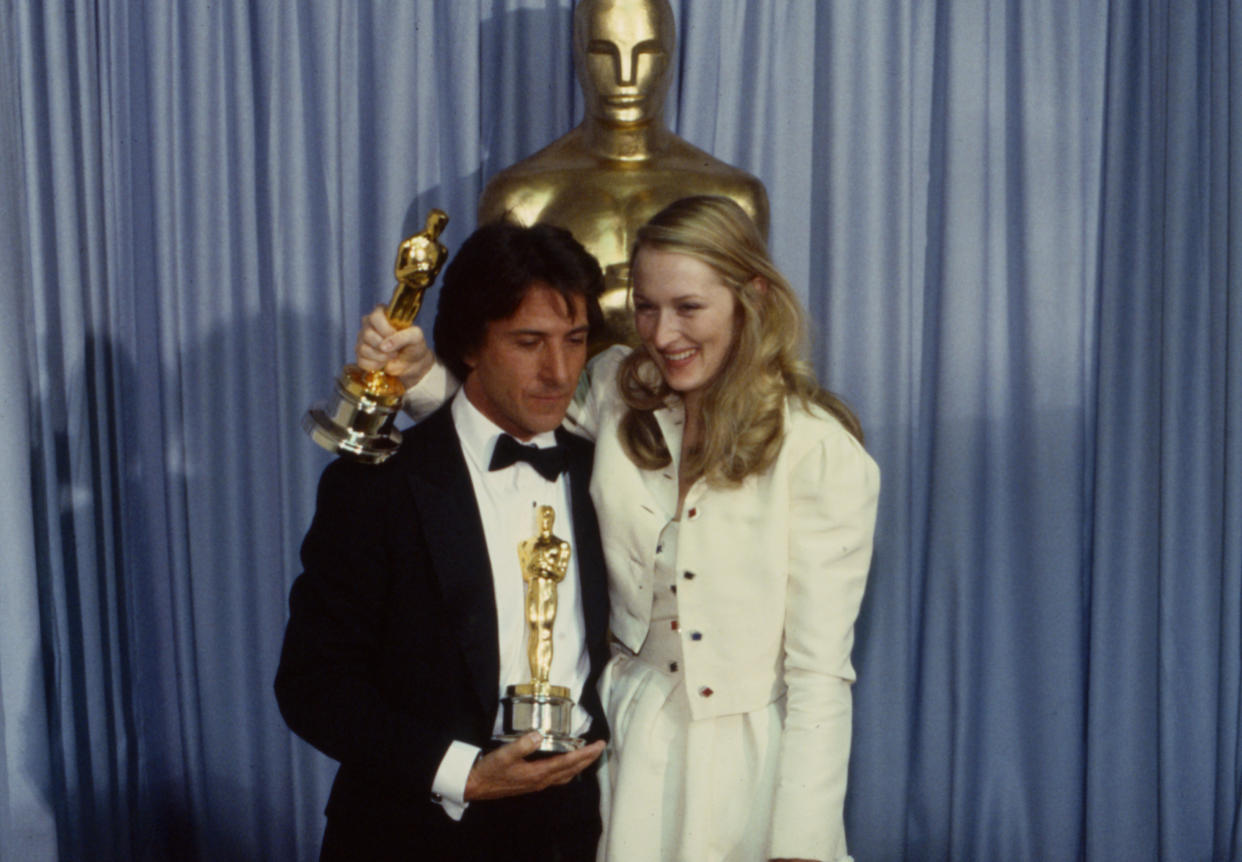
[
  {"x": 540, "y": 705},
  {"x": 357, "y": 421}
]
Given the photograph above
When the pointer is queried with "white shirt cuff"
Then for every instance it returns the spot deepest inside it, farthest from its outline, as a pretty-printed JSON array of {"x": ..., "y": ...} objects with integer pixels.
[
  {"x": 448, "y": 789},
  {"x": 436, "y": 387}
]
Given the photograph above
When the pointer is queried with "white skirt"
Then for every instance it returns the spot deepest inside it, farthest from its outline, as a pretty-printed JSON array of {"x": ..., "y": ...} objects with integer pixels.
[{"x": 677, "y": 789}]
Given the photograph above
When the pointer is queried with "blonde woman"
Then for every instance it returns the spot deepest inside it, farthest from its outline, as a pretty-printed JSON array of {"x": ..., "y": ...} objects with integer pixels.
[{"x": 737, "y": 507}]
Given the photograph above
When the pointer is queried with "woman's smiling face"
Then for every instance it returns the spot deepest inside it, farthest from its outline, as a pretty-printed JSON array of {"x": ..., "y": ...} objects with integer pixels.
[{"x": 685, "y": 316}]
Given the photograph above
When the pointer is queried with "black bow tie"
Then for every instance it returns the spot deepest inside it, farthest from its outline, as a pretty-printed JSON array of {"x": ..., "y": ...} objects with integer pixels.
[{"x": 550, "y": 462}]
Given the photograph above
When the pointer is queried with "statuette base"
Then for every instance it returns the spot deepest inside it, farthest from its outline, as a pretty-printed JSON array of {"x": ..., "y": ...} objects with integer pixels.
[
  {"x": 551, "y": 715},
  {"x": 354, "y": 424}
]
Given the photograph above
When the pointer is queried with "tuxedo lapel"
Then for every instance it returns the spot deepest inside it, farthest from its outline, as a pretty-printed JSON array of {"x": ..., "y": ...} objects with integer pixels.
[
  {"x": 591, "y": 578},
  {"x": 453, "y": 533}
]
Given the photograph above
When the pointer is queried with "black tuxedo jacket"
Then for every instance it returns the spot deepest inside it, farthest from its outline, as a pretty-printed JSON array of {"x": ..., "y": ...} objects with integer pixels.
[{"x": 390, "y": 652}]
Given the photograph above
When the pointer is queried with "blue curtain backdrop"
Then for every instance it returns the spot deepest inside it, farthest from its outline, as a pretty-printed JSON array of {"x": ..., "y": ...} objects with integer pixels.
[{"x": 1015, "y": 225}]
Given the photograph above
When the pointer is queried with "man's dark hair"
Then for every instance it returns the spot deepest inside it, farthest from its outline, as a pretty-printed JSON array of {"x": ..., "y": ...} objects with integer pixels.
[{"x": 489, "y": 276}]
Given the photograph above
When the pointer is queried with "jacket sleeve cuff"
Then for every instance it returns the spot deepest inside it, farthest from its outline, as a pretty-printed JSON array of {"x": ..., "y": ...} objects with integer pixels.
[{"x": 424, "y": 397}]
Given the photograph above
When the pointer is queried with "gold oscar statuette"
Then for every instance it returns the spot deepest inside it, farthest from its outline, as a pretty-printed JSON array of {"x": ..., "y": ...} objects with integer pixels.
[
  {"x": 358, "y": 421},
  {"x": 539, "y": 705}
]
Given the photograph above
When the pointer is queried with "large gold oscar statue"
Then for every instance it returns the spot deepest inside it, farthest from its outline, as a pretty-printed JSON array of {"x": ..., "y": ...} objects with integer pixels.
[{"x": 621, "y": 165}]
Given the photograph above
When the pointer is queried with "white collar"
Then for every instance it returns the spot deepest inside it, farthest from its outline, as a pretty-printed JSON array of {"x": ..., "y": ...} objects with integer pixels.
[{"x": 478, "y": 434}]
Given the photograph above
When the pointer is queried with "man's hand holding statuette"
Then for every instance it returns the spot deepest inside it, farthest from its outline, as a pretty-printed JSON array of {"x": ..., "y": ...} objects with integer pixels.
[{"x": 506, "y": 771}]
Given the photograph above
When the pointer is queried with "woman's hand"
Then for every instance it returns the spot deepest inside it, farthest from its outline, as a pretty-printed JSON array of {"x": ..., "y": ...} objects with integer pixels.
[{"x": 402, "y": 353}]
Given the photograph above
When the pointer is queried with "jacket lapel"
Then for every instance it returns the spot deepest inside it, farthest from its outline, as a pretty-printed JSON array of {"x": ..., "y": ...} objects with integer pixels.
[
  {"x": 662, "y": 484},
  {"x": 453, "y": 531}
]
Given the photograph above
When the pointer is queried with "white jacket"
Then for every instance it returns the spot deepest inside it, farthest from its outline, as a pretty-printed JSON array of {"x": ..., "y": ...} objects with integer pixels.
[{"x": 771, "y": 576}]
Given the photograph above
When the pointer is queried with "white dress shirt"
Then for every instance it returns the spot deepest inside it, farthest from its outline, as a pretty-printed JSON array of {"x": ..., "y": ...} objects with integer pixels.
[{"x": 508, "y": 500}]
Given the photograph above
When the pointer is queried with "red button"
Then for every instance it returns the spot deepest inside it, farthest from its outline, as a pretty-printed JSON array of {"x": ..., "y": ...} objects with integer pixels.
[
  {"x": 674, "y": 625},
  {"x": 706, "y": 692}
]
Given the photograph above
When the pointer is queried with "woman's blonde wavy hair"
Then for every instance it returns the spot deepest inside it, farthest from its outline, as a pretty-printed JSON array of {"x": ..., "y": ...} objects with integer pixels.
[{"x": 743, "y": 415}]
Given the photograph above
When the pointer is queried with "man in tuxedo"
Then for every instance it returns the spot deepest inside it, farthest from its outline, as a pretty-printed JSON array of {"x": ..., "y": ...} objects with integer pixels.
[{"x": 408, "y": 620}]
